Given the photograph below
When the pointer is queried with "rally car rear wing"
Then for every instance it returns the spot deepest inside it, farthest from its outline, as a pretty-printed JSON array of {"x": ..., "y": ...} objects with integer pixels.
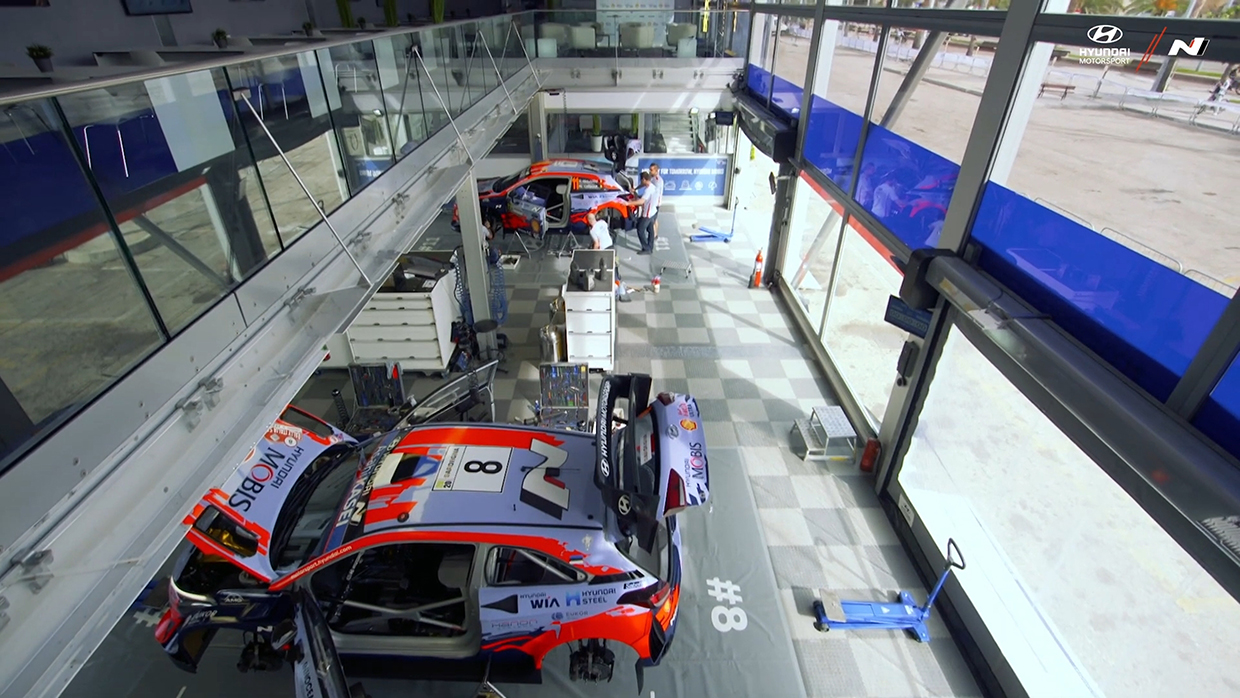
[{"x": 634, "y": 511}]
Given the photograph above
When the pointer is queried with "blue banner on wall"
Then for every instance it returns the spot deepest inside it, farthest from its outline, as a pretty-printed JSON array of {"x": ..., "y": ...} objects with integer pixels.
[{"x": 700, "y": 176}]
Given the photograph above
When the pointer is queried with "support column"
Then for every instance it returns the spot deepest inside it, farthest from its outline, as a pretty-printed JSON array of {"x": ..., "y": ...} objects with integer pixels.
[
  {"x": 538, "y": 128},
  {"x": 1022, "y": 102},
  {"x": 473, "y": 253},
  {"x": 779, "y": 221}
]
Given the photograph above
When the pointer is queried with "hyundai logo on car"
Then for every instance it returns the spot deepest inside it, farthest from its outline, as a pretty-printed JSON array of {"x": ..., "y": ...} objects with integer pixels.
[{"x": 1105, "y": 33}]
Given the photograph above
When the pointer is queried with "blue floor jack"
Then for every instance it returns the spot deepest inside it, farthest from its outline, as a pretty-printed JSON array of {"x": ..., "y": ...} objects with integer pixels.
[
  {"x": 712, "y": 235},
  {"x": 903, "y": 615}
]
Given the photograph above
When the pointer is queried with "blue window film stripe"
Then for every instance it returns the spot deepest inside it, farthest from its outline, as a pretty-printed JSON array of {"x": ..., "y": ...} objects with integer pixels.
[
  {"x": 785, "y": 96},
  {"x": 1144, "y": 319},
  {"x": 758, "y": 81},
  {"x": 831, "y": 139},
  {"x": 1219, "y": 416},
  {"x": 905, "y": 186}
]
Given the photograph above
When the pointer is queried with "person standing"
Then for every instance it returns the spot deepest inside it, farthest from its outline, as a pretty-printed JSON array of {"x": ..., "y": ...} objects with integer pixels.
[
  {"x": 646, "y": 209},
  {"x": 657, "y": 181}
]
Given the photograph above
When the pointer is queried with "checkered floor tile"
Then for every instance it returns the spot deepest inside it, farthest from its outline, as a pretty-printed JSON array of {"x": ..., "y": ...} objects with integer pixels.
[{"x": 736, "y": 351}]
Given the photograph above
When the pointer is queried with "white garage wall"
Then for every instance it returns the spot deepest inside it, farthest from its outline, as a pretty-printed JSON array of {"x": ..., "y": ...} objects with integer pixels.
[
  {"x": 327, "y": 15},
  {"x": 75, "y": 28}
]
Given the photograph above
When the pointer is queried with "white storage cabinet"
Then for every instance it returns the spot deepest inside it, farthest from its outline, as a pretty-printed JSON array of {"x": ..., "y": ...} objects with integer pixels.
[{"x": 411, "y": 328}]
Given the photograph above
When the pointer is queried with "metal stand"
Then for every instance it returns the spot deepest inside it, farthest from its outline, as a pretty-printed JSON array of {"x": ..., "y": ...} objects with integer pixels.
[
  {"x": 486, "y": 689},
  {"x": 521, "y": 241},
  {"x": 568, "y": 246}
]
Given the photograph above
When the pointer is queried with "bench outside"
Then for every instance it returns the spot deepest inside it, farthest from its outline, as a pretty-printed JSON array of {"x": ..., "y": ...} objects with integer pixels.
[{"x": 1065, "y": 89}]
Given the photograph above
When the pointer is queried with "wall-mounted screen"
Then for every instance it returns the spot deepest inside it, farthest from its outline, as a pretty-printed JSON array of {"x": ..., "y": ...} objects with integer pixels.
[{"x": 136, "y": 8}]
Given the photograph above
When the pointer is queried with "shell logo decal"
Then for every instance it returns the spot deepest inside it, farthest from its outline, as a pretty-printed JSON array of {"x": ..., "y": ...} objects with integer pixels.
[{"x": 689, "y": 424}]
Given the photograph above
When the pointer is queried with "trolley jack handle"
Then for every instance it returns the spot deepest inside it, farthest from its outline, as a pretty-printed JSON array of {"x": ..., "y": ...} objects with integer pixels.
[{"x": 954, "y": 559}]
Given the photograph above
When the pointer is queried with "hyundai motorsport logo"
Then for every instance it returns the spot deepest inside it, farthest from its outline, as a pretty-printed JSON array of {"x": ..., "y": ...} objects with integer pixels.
[{"x": 1104, "y": 35}]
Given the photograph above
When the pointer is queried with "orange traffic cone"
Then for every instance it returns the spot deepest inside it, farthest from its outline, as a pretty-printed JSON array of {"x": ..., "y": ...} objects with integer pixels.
[{"x": 756, "y": 279}]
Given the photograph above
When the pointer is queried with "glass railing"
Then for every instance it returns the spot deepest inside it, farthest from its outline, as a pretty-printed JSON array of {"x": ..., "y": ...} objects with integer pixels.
[
  {"x": 133, "y": 204},
  {"x": 670, "y": 34}
]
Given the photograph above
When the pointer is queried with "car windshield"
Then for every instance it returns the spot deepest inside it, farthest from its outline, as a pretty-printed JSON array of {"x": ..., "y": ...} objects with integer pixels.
[
  {"x": 505, "y": 183},
  {"x": 311, "y": 505}
]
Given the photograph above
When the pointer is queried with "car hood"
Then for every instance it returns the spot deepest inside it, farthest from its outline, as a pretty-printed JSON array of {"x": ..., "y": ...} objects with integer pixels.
[{"x": 255, "y": 493}]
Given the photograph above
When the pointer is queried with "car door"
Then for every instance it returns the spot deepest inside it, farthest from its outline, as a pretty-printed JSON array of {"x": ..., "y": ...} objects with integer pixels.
[
  {"x": 527, "y": 592},
  {"x": 317, "y": 672},
  {"x": 413, "y": 599}
]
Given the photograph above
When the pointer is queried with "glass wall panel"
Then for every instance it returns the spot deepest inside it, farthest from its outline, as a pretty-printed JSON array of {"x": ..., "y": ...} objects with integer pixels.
[
  {"x": 791, "y": 61},
  {"x": 1114, "y": 223},
  {"x": 516, "y": 140},
  {"x": 918, "y": 133},
  {"x": 738, "y": 32},
  {"x": 397, "y": 73},
  {"x": 171, "y": 159},
  {"x": 571, "y": 132},
  {"x": 813, "y": 236},
  {"x": 301, "y": 126},
  {"x": 511, "y": 57},
  {"x": 684, "y": 132},
  {"x": 1062, "y": 564},
  {"x": 762, "y": 42},
  {"x": 72, "y": 317},
  {"x": 435, "y": 75},
  {"x": 841, "y": 84},
  {"x": 863, "y": 346},
  {"x": 360, "y": 118},
  {"x": 471, "y": 71}
]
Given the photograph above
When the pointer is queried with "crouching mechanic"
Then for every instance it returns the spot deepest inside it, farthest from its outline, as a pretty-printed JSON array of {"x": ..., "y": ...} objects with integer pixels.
[{"x": 600, "y": 236}]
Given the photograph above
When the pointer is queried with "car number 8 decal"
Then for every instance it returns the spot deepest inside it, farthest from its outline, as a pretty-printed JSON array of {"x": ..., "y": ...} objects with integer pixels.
[
  {"x": 726, "y": 618},
  {"x": 489, "y": 467}
]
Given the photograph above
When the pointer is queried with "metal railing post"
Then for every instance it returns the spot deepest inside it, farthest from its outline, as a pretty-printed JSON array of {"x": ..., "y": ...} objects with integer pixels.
[
  {"x": 497, "y": 70},
  {"x": 446, "y": 109},
  {"x": 244, "y": 93}
]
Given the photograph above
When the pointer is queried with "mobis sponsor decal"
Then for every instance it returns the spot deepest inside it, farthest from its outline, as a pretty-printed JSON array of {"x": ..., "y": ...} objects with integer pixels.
[
  {"x": 270, "y": 471},
  {"x": 696, "y": 460}
]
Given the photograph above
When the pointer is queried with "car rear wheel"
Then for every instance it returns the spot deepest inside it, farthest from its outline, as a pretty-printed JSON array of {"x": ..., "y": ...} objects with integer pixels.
[{"x": 613, "y": 218}]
